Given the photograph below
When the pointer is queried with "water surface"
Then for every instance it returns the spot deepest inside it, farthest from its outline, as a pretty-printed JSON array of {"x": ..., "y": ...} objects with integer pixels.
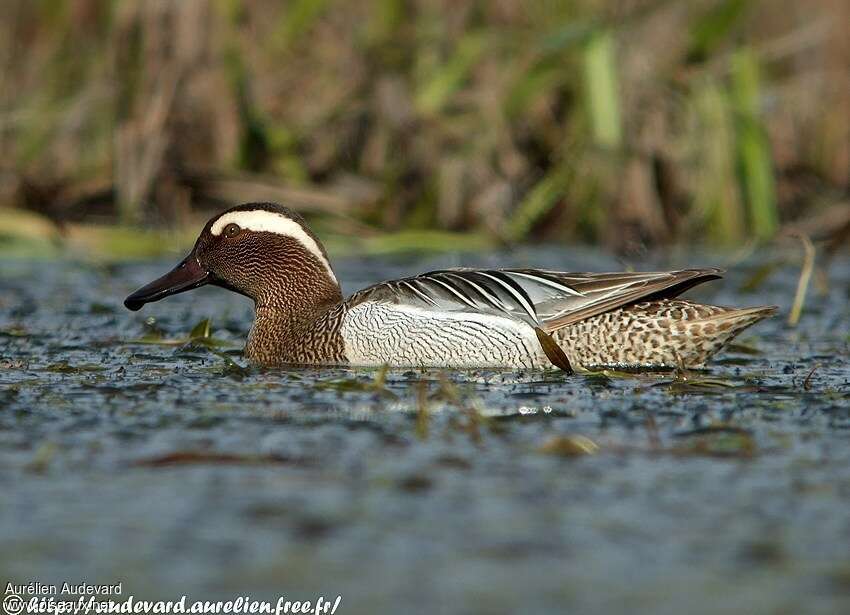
[{"x": 173, "y": 469}]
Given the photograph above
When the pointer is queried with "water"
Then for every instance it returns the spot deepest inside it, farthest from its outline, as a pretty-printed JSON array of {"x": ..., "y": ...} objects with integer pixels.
[{"x": 167, "y": 468}]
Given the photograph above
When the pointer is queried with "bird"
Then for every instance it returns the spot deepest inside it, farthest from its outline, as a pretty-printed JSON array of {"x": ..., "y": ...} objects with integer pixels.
[{"x": 459, "y": 318}]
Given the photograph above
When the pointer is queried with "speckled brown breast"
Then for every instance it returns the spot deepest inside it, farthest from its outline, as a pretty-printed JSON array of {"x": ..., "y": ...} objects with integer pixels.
[{"x": 278, "y": 339}]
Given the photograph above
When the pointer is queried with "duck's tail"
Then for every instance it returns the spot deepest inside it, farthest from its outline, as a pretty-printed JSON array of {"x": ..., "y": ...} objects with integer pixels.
[
  {"x": 667, "y": 333},
  {"x": 719, "y": 329}
]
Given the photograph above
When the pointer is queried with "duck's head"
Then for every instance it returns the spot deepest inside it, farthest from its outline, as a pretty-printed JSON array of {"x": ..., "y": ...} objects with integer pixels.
[{"x": 261, "y": 250}]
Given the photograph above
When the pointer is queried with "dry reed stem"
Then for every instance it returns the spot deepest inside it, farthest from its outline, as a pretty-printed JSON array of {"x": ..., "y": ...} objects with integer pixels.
[{"x": 803, "y": 282}]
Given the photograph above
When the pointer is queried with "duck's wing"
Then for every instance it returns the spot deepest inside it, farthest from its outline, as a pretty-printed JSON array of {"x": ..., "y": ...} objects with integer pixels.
[
  {"x": 546, "y": 299},
  {"x": 603, "y": 292}
]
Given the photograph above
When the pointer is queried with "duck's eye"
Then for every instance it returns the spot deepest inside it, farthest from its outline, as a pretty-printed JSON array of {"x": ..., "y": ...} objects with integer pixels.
[{"x": 232, "y": 230}]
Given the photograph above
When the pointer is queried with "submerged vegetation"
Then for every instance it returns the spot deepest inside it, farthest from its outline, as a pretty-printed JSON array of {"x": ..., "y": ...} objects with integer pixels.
[{"x": 624, "y": 123}]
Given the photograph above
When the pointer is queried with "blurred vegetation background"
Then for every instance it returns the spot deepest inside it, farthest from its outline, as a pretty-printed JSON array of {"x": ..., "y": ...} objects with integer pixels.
[{"x": 629, "y": 123}]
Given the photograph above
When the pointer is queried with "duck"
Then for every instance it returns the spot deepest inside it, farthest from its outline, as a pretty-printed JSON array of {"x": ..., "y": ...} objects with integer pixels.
[{"x": 451, "y": 318}]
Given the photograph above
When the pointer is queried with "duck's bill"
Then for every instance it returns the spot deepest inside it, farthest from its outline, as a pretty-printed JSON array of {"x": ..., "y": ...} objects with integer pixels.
[{"x": 187, "y": 275}]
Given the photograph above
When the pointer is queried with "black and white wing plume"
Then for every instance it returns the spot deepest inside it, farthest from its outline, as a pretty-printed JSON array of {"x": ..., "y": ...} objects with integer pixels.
[{"x": 546, "y": 299}]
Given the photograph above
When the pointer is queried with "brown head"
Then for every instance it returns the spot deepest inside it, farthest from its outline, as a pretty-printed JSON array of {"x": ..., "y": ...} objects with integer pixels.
[{"x": 261, "y": 250}]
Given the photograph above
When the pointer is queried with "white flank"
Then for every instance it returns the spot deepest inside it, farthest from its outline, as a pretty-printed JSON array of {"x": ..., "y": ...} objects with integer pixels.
[
  {"x": 376, "y": 333},
  {"x": 260, "y": 220}
]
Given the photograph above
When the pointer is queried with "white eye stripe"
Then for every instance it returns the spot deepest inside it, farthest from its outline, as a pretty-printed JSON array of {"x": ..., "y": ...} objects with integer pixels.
[{"x": 260, "y": 220}]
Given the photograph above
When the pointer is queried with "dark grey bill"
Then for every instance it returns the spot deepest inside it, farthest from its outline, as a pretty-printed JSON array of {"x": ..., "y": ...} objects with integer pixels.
[{"x": 187, "y": 275}]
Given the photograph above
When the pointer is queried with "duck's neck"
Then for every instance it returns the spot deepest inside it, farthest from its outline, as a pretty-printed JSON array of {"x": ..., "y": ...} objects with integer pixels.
[{"x": 302, "y": 330}]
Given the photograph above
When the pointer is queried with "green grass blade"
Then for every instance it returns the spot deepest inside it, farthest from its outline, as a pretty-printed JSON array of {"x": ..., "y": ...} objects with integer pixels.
[
  {"x": 716, "y": 193},
  {"x": 753, "y": 148},
  {"x": 449, "y": 77},
  {"x": 601, "y": 88}
]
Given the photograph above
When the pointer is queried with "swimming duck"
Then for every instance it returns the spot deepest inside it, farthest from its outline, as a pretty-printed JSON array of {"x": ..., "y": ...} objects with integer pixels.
[{"x": 455, "y": 318}]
